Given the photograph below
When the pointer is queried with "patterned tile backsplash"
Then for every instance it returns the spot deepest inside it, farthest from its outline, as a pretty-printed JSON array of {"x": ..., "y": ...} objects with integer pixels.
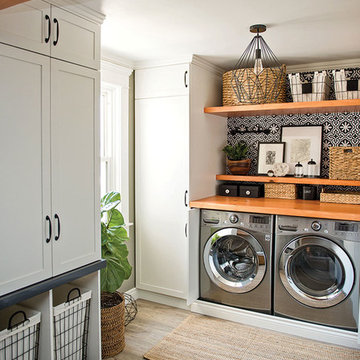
[{"x": 339, "y": 129}]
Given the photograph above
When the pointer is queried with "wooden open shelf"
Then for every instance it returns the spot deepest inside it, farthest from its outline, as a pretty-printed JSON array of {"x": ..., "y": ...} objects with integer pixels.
[
  {"x": 288, "y": 180},
  {"x": 306, "y": 208},
  {"x": 7, "y": 3},
  {"x": 309, "y": 107}
]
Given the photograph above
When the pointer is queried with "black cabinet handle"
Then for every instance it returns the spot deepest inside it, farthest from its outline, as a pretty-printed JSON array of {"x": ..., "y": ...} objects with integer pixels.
[
  {"x": 57, "y": 32},
  {"x": 185, "y": 198},
  {"x": 47, "y": 18},
  {"x": 58, "y": 227},
  {"x": 185, "y": 76},
  {"x": 186, "y": 232},
  {"x": 50, "y": 230}
]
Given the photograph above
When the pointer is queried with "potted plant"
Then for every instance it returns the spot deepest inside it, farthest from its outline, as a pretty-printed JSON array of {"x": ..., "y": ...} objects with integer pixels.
[
  {"x": 114, "y": 251},
  {"x": 236, "y": 158}
]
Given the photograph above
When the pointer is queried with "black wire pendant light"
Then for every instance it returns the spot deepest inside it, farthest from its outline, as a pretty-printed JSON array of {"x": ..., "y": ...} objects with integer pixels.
[{"x": 258, "y": 77}]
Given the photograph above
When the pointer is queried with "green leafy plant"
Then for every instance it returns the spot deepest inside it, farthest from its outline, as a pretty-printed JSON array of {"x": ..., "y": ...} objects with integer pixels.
[
  {"x": 113, "y": 244},
  {"x": 236, "y": 152}
]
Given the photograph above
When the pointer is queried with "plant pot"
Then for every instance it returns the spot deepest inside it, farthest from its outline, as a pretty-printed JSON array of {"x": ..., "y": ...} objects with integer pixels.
[
  {"x": 238, "y": 167},
  {"x": 112, "y": 324}
]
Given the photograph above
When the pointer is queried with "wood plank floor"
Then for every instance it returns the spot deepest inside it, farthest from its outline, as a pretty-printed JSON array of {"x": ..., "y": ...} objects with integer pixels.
[{"x": 153, "y": 321}]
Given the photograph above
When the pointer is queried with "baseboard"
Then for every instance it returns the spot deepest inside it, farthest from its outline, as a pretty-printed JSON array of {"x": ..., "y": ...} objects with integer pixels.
[
  {"x": 133, "y": 292},
  {"x": 159, "y": 298},
  {"x": 288, "y": 326}
]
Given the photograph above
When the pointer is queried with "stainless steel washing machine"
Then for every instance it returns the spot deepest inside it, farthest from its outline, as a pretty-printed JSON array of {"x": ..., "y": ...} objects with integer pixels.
[
  {"x": 235, "y": 259},
  {"x": 317, "y": 264}
]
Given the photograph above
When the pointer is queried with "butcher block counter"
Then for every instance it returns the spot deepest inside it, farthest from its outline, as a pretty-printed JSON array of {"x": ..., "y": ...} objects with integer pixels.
[{"x": 305, "y": 208}]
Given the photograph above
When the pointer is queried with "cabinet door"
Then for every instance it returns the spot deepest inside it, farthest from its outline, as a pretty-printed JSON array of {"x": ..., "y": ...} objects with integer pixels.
[
  {"x": 77, "y": 40},
  {"x": 25, "y": 25},
  {"x": 75, "y": 165},
  {"x": 161, "y": 179},
  {"x": 169, "y": 80},
  {"x": 25, "y": 256}
]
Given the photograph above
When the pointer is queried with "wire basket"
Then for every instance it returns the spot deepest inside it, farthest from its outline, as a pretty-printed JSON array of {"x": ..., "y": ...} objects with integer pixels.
[
  {"x": 19, "y": 333},
  {"x": 315, "y": 89},
  {"x": 345, "y": 87},
  {"x": 71, "y": 324}
]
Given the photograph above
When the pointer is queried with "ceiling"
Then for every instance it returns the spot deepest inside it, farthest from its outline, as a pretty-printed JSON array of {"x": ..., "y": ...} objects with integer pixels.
[{"x": 299, "y": 32}]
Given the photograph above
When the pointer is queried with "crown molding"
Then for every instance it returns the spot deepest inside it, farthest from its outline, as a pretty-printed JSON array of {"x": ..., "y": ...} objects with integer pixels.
[
  {"x": 118, "y": 68},
  {"x": 117, "y": 62},
  {"x": 201, "y": 62},
  {"x": 328, "y": 65},
  {"x": 76, "y": 7},
  {"x": 139, "y": 65}
]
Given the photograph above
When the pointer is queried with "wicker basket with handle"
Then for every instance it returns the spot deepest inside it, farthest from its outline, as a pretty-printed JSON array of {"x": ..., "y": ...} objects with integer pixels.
[
  {"x": 268, "y": 87},
  {"x": 281, "y": 191},
  {"x": 345, "y": 197},
  {"x": 344, "y": 162}
]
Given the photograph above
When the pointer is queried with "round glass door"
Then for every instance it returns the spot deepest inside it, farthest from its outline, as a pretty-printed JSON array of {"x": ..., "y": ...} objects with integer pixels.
[
  {"x": 316, "y": 271},
  {"x": 234, "y": 260}
]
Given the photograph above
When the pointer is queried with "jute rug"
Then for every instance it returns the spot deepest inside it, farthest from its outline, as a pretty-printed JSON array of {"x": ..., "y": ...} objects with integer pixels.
[{"x": 206, "y": 338}]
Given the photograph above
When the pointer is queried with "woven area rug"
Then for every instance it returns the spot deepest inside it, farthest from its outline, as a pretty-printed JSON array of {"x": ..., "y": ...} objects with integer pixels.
[{"x": 206, "y": 338}]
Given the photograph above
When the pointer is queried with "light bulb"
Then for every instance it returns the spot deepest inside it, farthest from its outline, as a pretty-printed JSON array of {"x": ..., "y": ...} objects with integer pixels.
[{"x": 258, "y": 66}]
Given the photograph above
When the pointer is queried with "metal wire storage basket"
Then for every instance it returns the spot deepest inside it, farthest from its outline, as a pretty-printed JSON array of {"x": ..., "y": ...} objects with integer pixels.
[
  {"x": 345, "y": 85},
  {"x": 71, "y": 325},
  {"x": 316, "y": 87},
  {"x": 19, "y": 333}
]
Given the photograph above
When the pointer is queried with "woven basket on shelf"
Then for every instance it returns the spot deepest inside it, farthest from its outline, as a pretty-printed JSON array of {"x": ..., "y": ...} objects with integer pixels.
[
  {"x": 113, "y": 329},
  {"x": 281, "y": 191},
  {"x": 344, "y": 162},
  {"x": 346, "y": 197},
  {"x": 269, "y": 88}
]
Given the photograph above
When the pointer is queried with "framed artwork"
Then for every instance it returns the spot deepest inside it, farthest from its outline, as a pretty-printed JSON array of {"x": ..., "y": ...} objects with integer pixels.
[
  {"x": 303, "y": 143},
  {"x": 268, "y": 155}
]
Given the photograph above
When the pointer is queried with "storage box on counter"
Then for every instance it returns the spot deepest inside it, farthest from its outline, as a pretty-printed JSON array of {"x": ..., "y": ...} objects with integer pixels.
[{"x": 281, "y": 191}]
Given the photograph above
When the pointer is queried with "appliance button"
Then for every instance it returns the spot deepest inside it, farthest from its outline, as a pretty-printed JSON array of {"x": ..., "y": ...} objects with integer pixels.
[
  {"x": 267, "y": 237},
  {"x": 233, "y": 219},
  {"x": 326, "y": 231},
  {"x": 316, "y": 226},
  {"x": 306, "y": 229}
]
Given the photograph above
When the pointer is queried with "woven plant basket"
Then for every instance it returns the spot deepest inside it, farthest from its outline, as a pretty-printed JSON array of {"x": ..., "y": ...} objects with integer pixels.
[
  {"x": 112, "y": 328},
  {"x": 269, "y": 88},
  {"x": 346, "y": 197},
  {"x": 281, "y": 191},
  {"x": 344, "y": 162}
]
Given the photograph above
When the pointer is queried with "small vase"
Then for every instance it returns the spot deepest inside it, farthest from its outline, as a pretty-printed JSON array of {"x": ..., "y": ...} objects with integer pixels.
[{"x": 238, "y": 167}]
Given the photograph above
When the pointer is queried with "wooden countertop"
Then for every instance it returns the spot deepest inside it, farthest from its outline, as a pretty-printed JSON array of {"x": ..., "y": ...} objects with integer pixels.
[{"x": 305, "y": 208}]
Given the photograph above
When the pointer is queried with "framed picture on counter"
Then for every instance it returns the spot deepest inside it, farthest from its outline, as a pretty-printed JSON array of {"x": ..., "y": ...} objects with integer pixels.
[
  {"x": 303, "y": 143},
  {"x": 268, "y": 155}
]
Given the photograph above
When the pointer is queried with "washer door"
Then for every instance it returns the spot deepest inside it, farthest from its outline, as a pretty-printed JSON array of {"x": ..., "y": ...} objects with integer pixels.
[
  {"x": 316, "y": 271},
  {"x": 234, "y": 260}
]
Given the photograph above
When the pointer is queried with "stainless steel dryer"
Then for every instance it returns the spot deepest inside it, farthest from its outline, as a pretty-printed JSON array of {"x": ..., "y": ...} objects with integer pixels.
[
  {"x": 317, "y": 264},
  {"x": 235, "y": 259}
]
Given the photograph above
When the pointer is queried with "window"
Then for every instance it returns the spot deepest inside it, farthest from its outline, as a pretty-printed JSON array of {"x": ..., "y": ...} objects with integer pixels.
[{"x": 110, "y": 137}]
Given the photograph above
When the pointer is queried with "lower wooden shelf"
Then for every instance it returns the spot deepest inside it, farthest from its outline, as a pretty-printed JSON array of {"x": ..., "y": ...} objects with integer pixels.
[{"x": 305, "y": 208}]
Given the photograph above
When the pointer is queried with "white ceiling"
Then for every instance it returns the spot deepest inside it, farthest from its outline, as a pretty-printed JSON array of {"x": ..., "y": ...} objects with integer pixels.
[{"x": 299, "y": 31}]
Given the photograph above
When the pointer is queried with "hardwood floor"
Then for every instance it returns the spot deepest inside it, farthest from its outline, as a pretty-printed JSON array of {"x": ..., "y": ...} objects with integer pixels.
[{"x": 153, "y": 321}]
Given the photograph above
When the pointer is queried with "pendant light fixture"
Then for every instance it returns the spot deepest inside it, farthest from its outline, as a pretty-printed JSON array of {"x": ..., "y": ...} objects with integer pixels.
[{"x": 258, "y": 77}]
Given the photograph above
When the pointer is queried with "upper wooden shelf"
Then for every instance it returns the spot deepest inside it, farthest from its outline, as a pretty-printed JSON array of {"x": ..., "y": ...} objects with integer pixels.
[
  {"x": 288, "y": 180},
  {"x": 309, "y": 107}
]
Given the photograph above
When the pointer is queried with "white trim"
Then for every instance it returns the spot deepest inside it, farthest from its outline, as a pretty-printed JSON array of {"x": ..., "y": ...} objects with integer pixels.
[
  {"x": 116, "y": 63},
  {"x": 189, "y": 59},
  {"x": 76, "y": 7},
  {"x": 133, "y": 292},
  {"x": 161, "y": 299},
  {"x": 329, "y": 65},
  {"x": 270, "y": 322}
]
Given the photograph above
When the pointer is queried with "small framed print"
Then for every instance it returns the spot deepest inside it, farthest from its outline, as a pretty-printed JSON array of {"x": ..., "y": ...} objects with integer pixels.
[
  {"x": 303, "y": 143},
  {"x": 268, "y": 155}
]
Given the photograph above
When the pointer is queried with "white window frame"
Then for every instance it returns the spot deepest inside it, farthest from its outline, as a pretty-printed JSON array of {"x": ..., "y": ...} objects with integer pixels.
[{"x": 116, "y": 79}]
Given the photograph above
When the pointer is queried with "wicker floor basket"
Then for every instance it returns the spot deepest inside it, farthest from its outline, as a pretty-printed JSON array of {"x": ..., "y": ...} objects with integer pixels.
[
  {"x": 269, "y": 88},
  {"x": 344, "y": 162},
  {"x": 281, "y": 191},
  {"x": 113, "y": 329},
  {"x": 346, "y": 197}
]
